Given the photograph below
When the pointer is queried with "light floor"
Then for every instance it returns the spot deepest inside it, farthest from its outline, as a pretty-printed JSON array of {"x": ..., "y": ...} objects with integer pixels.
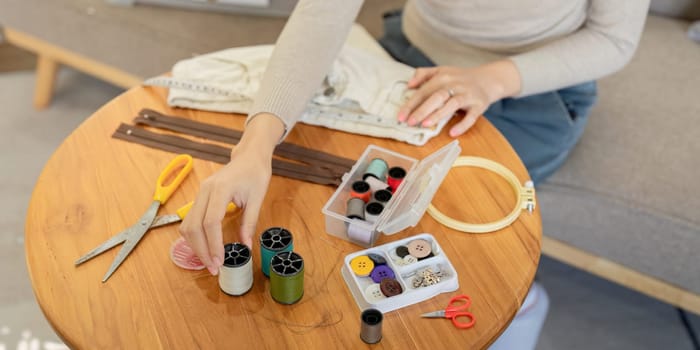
[{"x": 585, "y": 312}]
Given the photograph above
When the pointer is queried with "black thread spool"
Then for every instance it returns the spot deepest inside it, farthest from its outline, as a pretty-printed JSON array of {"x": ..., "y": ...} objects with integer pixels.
[
  {"x": 273, "y": 241},
  {"x": 382, "y": 196},
  {"x": 287, "y": 277},
  {"x": 372, "y": 211},
  {"x": 236, "y": 274},
  {"x": 371, "y": 326}
]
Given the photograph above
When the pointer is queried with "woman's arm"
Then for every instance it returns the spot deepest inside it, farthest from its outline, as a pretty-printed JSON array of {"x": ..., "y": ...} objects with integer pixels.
[
  {"x": 304, "y": 52},
  {"x": 604, "y": 44},
  {"x": 303, "y": 55}
]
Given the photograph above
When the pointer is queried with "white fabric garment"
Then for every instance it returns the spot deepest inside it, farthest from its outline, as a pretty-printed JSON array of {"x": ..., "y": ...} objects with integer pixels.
[{"x": 361, "y": 94}]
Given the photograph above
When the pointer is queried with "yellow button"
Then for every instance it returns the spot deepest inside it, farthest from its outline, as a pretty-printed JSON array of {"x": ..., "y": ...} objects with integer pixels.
[{"x": 362, "y": 265}]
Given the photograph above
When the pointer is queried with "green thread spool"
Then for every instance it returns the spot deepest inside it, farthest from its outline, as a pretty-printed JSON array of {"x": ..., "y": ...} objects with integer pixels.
[
  {"x": 287, "y": 277},
  {"x": 377, "y": 168},
  {"x": 273, "y": 241}
]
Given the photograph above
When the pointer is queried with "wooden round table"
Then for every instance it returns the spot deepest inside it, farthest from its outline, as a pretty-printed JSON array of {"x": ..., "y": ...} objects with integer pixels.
[{"x": 94, "y": 186}]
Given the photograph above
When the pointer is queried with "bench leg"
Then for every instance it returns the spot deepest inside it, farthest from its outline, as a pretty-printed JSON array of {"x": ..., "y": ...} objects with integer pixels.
[{"x": 46, "y": 70}]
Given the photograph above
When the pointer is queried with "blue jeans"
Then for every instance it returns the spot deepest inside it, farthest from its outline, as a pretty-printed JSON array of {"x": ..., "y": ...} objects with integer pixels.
[{"x": 542, "y": 128}]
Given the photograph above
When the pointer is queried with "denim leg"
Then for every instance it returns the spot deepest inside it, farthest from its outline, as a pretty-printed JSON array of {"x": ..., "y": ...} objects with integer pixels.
[
  {"x": 398, "y": 46},
  {"x": 543, "y": 128}
]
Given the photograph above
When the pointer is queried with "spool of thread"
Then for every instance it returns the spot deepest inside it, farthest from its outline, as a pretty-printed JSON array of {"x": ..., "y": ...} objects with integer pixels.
[
  {"x": 372, "y": 211},
  {"x": 376, "y": 184},
  {"x": 273, "y": 241},
  {"x": 376, "y": 168},
  {"x": 236, "y": 275},
  {"x": 371, "y": 326},
  {"x": 396, "y": 176},
  {"x": 287, "y": 277},
  {"x": 361, "y": 190},
  {"x": 382, "y": 196},
  {"x": 356, "y": 209},
  {"x": 358, "y": 232}
]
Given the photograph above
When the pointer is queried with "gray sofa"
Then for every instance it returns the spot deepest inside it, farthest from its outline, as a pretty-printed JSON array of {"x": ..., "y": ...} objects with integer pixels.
[
  {"x": 625, "y": 206},
  {"x": 628, "y": 198}
]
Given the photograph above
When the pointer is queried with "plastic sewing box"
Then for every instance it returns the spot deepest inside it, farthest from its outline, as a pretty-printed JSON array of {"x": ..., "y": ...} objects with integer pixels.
[
  {"x": 406, "y": 207},
  {"x": 408, "y": 203},
  {"x": 366, "y": 297}
]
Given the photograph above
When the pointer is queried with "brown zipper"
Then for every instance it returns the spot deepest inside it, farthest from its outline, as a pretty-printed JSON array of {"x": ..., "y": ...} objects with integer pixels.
[
  {"x": 232, "y": 136},
  {"x": 220, "y": 154}
]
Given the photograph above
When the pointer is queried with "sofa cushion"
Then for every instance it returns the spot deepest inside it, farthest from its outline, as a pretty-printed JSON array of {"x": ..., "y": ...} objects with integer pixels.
[
  {"x": 686, "y": 9},
  {"x": 630, "y": 191}
]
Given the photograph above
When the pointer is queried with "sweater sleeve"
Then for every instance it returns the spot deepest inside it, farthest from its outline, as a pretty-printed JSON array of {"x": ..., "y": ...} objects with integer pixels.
[
  {"x": 603, "y": 45},
  {"x": 303, "y": 55}
]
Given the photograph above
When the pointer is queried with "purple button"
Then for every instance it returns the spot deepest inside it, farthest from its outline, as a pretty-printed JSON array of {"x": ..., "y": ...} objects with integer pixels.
[{"x": 381, "y": 272}]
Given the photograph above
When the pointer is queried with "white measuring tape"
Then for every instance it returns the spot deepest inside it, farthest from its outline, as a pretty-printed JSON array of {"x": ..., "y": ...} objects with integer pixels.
[{"x": 170, "y": 82}]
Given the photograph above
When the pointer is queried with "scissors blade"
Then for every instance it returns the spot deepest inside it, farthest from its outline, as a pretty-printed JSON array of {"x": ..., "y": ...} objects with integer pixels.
[
  {"x": 163, "y": 220},
  {"x": 134, "y": 235},
  {"x": 434, "y": 314},
  {"x": 106, "y": 245}
]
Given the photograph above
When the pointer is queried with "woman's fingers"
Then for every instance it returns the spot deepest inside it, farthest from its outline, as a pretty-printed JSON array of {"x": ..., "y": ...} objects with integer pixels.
[
  {"x": 467, "y": 122},
  {"x": 191, "y": 228},
  {"x": 431, "y": 104},
  {"x": 422, "y": 75},
  {"x": 216, "y": 210},
  {"x": 439, "y": 84},
  {"x": 442, "y": 91},
  {"x": 249, "y": 221},
  {"x": 446, "y": 111}
]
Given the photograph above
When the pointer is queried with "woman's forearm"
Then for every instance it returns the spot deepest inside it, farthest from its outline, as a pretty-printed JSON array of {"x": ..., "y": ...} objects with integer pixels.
[
  {"x": 303, "y": 55},
  {"x": 261, "y": 135}
]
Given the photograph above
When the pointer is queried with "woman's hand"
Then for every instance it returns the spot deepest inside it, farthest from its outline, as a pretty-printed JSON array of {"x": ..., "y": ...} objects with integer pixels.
[
  {"x": 243, "y": 181},
  {"x": 442, "y": 91}
]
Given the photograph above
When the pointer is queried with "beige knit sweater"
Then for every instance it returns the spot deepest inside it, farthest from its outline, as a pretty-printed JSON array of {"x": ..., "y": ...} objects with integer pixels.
[{"x": 553, "y": 43}]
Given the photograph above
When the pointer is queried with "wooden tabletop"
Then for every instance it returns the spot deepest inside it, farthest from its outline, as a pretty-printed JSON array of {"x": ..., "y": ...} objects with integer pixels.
[{"x": 94, "y": 186}]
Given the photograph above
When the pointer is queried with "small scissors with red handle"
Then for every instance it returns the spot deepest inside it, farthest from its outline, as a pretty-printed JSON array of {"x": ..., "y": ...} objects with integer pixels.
[{"x": 456, "y": 309}]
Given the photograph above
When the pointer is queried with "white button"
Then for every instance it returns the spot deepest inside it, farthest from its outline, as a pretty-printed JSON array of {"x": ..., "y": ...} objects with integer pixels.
[
  {"x": 373, "y": 293},
  {"x": 409, "y": 259}
]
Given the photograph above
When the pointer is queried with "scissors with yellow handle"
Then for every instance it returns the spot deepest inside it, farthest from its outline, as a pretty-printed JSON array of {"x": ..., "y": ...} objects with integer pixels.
[
  {"x": 177, "y": 169},
  {"x": 162, "y": 220}
]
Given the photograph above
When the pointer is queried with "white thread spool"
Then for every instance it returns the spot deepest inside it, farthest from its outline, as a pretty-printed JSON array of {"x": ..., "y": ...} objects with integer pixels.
[
  {"x": 376, "y": 184},
  {"x": 359, "y": 231},
  {"x": 236, "y": 275}
]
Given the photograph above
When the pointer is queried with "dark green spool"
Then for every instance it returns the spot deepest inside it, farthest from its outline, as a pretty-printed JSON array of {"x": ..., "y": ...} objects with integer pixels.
[
  {"x": 273, "y": 241},
  {"x": 287, "y": 277}
]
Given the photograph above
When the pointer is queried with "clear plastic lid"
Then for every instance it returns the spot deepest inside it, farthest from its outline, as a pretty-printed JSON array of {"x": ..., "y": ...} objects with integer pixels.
[{"x": 418, "y": 189}]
